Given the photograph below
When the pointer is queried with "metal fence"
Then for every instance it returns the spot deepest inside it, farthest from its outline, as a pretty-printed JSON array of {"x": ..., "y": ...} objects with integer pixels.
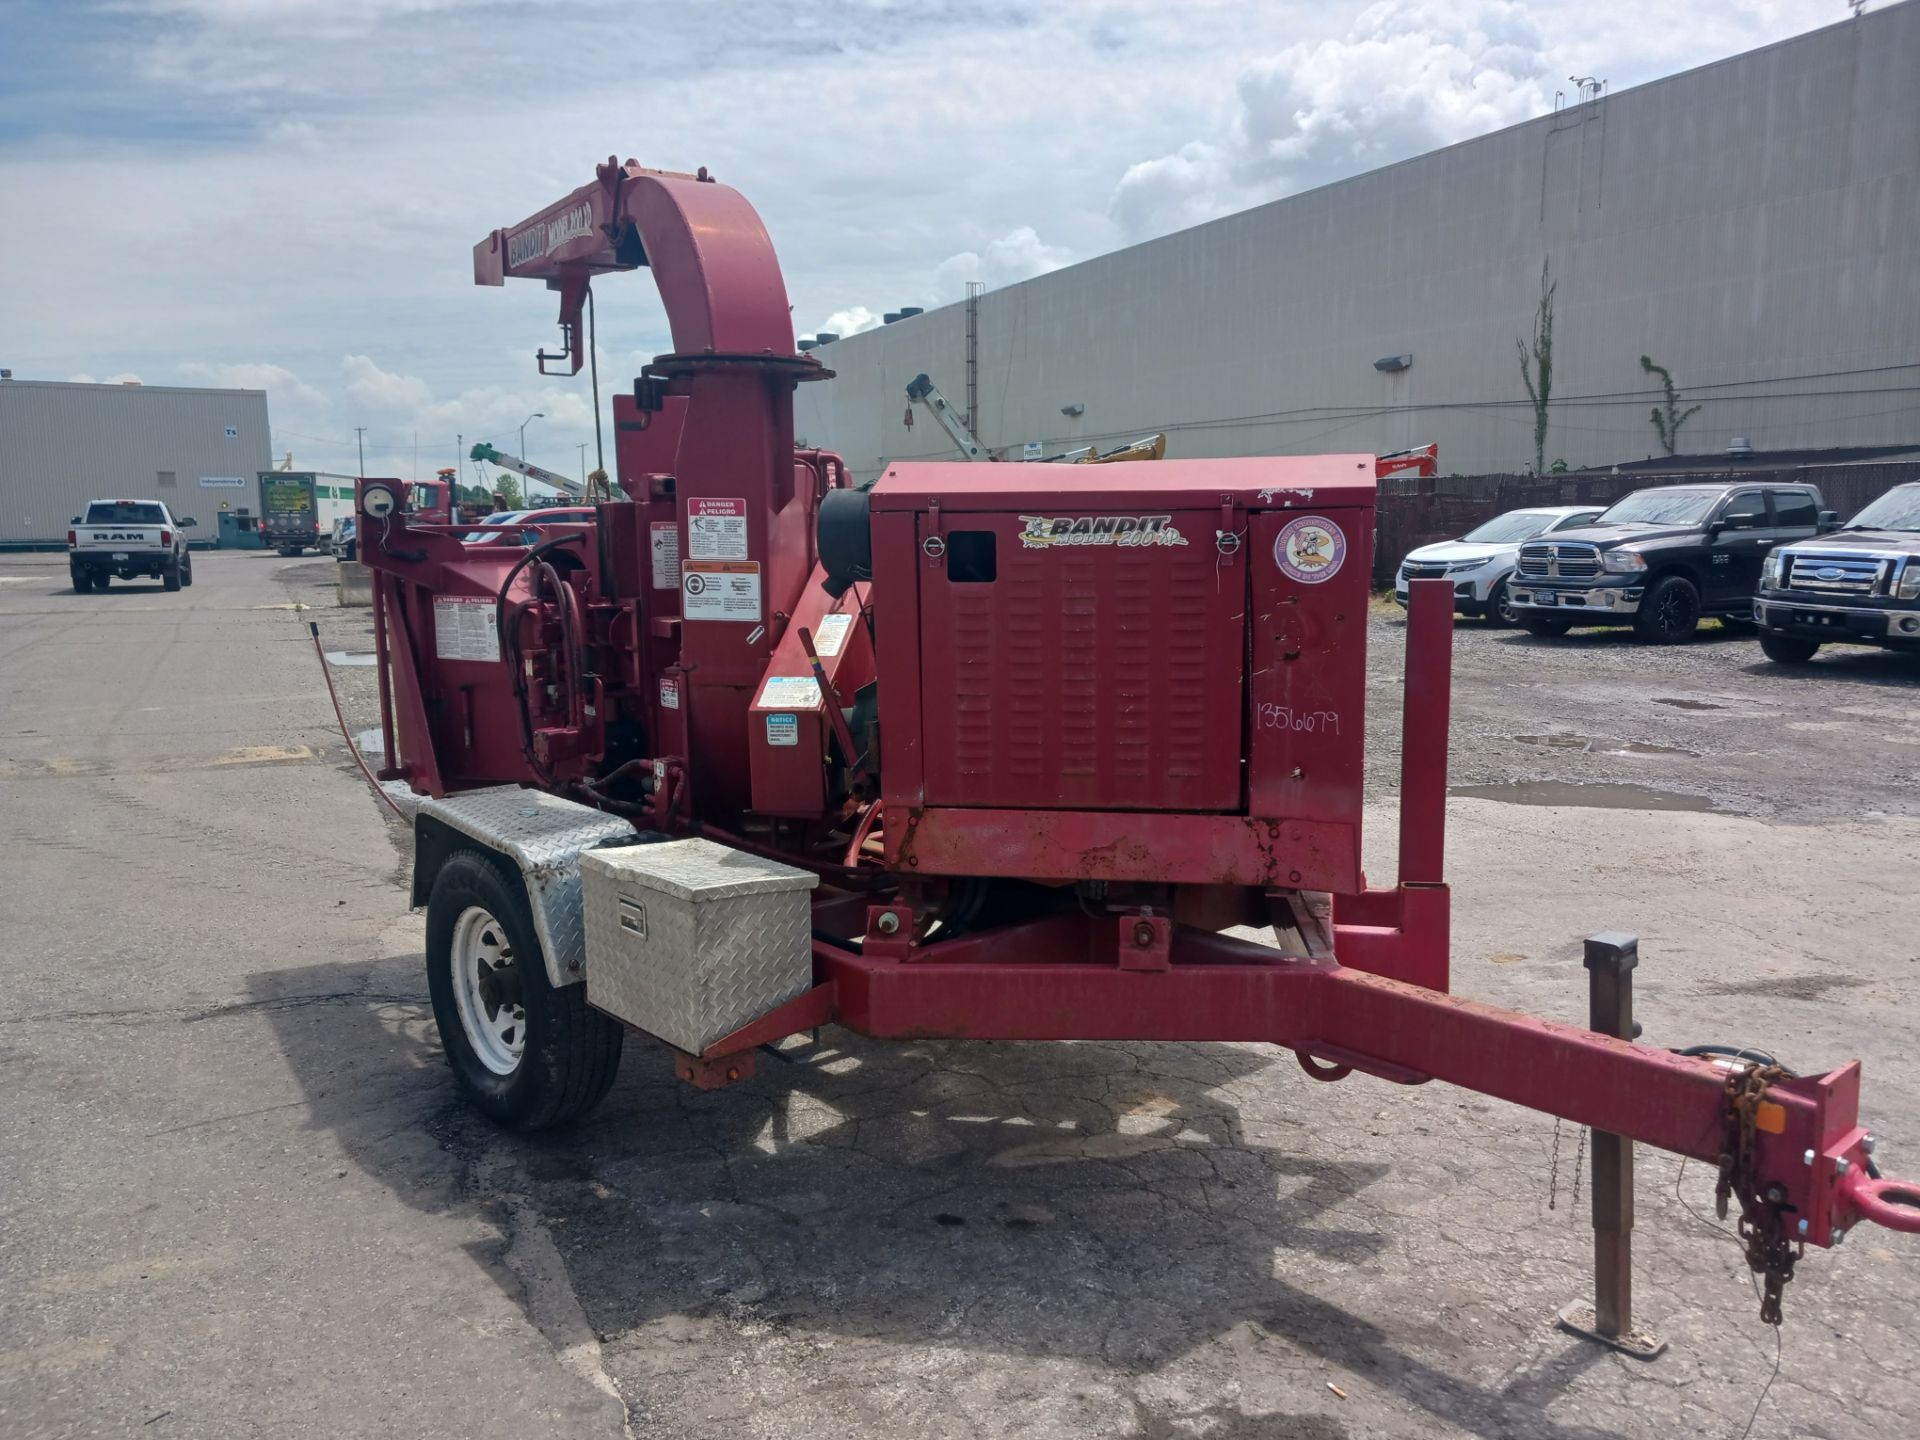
[{"x": 1418, "y": 510}]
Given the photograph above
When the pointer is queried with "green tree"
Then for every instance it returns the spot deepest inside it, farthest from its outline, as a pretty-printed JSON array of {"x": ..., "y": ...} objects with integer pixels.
[
  {"x": 1536, "y": 366},
  {"x": 508, "y": 489},
  {"x": 1668, "y": 419}
]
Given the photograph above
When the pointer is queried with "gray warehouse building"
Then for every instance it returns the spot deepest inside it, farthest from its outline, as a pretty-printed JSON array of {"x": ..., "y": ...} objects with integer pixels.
[
  {"x": 1752, "y": 226},
  {"x": 63, "y": 444}
]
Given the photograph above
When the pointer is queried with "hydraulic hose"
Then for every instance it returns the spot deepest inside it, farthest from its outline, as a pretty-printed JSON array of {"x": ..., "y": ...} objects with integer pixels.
[{"x": 326, "y": 673}]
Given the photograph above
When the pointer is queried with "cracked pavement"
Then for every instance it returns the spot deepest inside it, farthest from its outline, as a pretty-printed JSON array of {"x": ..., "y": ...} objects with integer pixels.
[{"x": 238, "y": 1195}]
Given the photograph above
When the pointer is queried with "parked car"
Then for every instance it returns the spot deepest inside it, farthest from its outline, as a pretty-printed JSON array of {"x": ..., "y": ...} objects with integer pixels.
[
  {"x": 342, "y": 543},
  {"x": 1859, "y": 585},
  {"x": 1660, "y": 559},
  {"x": 553, "y": 515},
  {"x": 1480, "y": 562},
  {"x": 128, "y": 538}
]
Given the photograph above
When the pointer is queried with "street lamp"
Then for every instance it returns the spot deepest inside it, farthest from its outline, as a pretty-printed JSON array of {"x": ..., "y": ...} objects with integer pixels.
[{"x": 536, "y": 415}]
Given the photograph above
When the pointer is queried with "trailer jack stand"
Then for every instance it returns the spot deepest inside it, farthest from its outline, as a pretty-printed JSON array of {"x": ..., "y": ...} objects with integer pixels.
[{"x": 1610, "y": 961}]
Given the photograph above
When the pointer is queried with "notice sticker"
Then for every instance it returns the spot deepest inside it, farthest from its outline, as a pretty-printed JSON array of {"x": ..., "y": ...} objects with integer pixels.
[
  {"x": 666, "y": 554},
  {"x": 720, "y": 590},
  {"x": 669, "y": 694},
  {"x": 783, "y": 729},
  {"x": 716, "y": 529},
  {"x": 463, "y": 628},
  {"x": 832, "y": 634},
  {"x": 796, "y": 692}
]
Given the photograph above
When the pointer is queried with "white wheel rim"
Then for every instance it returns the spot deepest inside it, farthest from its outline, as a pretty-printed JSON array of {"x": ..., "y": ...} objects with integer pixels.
[{"x": 486, "y": 991}]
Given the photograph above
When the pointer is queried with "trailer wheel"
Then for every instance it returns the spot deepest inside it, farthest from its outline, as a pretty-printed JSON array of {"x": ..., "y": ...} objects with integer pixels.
[{"x": 527, "y": 1056}]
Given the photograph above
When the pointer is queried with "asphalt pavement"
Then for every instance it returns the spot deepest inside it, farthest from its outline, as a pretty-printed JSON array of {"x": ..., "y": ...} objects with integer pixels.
[{"x": 238, "y": 1195}]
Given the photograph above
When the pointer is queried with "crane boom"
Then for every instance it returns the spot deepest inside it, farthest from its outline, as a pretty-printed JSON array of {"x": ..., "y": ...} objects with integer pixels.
[
  {"x": 565, "y": 485},
  {"x": 922, "y": 391}
]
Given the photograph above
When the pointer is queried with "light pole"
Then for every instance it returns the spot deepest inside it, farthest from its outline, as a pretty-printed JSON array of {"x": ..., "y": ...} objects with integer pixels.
[
  {"x": 536, "y": 415},
  {"x": 583, "y": 467},
  {"x": 360, "y": 443}
]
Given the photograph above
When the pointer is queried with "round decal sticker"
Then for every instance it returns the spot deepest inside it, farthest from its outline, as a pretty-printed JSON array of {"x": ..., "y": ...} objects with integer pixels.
[{"x": 1310, "y": 549}]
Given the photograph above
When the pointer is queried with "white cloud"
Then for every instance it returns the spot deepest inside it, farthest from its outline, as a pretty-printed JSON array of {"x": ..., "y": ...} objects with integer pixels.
[
  {"x": 1410, "y": 75},
  {"x": 284, "y": 388},
  {"x": 382, "y": 391},
  {"x": 1017, "y": 255},
  {"x": 852, "y": 320}
]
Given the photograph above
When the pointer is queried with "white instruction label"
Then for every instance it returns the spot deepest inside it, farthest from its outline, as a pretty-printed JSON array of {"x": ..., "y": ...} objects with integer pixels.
[
  {"x": 795, "y": 692},
  {"x": 783, "y": 729},
  {"x": 666, "y": 555},
  {"x": 832, "y": 634},
  {"x": 716, "y": 529},
  {"x": 669, "y": 694},
  {"x": 720, "y": 590},
  {"x": 463, "y": 628}
]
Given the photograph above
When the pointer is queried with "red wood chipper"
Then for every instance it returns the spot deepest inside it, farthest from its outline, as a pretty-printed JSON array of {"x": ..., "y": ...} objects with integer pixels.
[{"x": 985, "y": 752}]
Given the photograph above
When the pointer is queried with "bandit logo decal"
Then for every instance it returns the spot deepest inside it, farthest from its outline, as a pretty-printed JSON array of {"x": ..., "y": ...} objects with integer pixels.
[{"x": 1043, "y": 531}]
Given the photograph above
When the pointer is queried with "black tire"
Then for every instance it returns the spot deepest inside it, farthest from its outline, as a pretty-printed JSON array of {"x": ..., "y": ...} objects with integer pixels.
[
  {"x": 186, "y": 569},
  {"x": 82, "y": 582},
  {"x": 1548, "y": 626},
  {"x": 1669, "y": 612},
  {"x": 1787, "y": 649},
  {"x": 571, "y": 1052},
  {"x": 170, "y": 575},
  {"x": 101, "y": 579},
  {"x": 287, "y": 550},
  {"x": 1738, "y": 624},
  {"x": 1500, "y": 612}
]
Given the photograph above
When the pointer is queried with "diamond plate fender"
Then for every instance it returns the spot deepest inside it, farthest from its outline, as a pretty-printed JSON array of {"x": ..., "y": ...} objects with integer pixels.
[{"x": 543, "y": 835}]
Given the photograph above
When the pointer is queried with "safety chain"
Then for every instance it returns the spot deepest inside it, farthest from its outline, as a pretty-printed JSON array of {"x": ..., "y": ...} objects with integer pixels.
[
  {"x": 1770, "y": 1253},
  {"x": 1553, "y": 1172}
]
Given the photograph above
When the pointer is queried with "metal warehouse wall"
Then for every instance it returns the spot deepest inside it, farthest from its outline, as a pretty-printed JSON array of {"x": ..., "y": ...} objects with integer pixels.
[
  {"x": 1753, "y": 225},
  {"x": 62, "y": 445}
]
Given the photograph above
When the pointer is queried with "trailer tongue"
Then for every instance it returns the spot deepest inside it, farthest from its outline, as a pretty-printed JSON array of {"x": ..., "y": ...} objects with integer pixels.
[{"x": 982, "y": 752}]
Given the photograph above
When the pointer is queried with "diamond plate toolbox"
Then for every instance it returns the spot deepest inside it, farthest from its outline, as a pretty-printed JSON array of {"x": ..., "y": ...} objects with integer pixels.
[{"x": 689, "y": 940}]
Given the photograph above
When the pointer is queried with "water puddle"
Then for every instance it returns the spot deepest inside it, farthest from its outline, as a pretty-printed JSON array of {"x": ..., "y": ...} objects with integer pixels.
[
  {"x": 1599, "y": 745},
  {"x": 349, "y": 657},
  {"x": 1679, "y": 704},
  {"x": 1592, "y": 797}
]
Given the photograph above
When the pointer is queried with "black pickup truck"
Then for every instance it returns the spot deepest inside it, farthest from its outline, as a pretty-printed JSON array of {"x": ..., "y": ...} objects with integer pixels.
[
  {"x": 1661, "y": 559},
  {"x": 1857, "y": 586}
]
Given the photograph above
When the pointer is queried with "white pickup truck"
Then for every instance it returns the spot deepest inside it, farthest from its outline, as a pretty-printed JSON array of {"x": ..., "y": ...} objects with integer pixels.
[{"x": 128, "y": 538}]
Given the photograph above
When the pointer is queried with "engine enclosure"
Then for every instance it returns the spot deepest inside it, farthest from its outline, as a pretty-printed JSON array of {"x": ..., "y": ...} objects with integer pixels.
[{"x": 1063, "y": 651}]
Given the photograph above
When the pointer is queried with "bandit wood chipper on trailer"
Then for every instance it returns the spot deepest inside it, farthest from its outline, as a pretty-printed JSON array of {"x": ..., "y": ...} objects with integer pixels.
[{"x": 973, "y": 752}]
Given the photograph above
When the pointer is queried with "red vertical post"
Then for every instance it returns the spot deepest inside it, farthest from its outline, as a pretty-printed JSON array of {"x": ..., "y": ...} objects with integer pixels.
[
  {"x": 1425, "y": 711},
  {"x": 389, "y": 761}
]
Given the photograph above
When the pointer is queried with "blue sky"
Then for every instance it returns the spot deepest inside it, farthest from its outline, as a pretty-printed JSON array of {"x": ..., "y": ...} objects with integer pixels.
[{"x": 285, "y": 193}]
